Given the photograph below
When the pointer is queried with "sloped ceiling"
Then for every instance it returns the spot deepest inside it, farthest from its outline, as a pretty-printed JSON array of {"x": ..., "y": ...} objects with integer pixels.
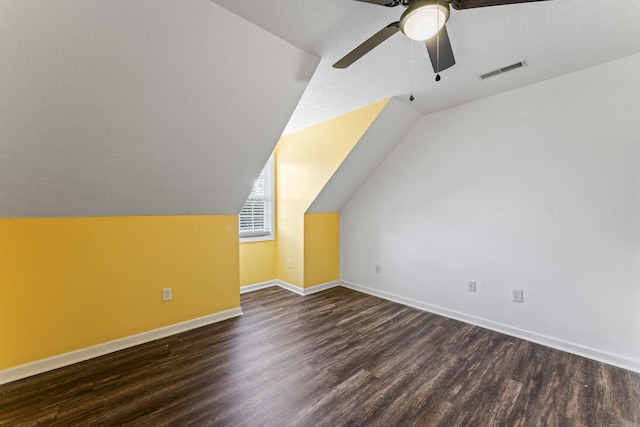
[
  {"x": 387, "y": 130},
  {"x": 138, "y": 107}
]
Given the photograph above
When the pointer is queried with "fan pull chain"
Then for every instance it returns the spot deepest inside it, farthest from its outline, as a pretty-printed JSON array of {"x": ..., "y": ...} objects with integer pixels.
[
  {"x": 411, "y": 98},
  {"x": 438, "y": 47}
]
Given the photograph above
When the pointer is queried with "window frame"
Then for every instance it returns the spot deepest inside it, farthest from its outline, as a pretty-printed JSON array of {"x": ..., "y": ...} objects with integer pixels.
[{"x": 269, "y": 208}]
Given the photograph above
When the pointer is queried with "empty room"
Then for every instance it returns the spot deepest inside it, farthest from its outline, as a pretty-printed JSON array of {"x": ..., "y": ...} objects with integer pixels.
[{"x": 305, "y": 213}]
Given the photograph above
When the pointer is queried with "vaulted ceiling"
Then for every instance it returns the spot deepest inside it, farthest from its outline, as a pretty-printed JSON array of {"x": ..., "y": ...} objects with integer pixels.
[{"x": 159, "y": 107}]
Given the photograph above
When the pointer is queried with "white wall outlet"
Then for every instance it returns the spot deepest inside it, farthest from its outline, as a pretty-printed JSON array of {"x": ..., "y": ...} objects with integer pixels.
[
  {"x": 378, "y": 268},
  {"x": 471, "y": 286},
  {"x": 167, "y": 294},
  {"x": 517, "y": 295},
  {"x": 288, "y": 263}
]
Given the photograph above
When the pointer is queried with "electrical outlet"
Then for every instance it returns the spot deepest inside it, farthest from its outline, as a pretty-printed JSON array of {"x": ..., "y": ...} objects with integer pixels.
[
  {"x": 166, "y": 294},
  {"x": 471, "y": 286},
  {"x": 378, "y": 268},
  {"x": 517, "y": 295}
]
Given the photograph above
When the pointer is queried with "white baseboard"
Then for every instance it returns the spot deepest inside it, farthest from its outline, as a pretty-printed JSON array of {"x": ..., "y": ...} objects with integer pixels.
[
  {"x": 548, "y": 341},
  {"x": 321, "y": 287},
  {"x": 290, "y": 287},
  {"x": 55, "y": 362},
  {"x": 258, "y": 286},
  {"x": 66, "y": 359}
]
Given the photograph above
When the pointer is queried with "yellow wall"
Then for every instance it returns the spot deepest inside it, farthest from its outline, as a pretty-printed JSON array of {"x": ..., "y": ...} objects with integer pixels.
[
  {"x": 70, "y": 283},
  {"x": 321, "y": 243},
  {"x": 305, "y": 161},
  {"x": 257, "y": 262}
]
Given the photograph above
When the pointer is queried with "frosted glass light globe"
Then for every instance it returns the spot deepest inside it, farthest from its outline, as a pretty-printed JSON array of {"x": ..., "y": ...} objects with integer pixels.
[{"x": 423, "y": 20}]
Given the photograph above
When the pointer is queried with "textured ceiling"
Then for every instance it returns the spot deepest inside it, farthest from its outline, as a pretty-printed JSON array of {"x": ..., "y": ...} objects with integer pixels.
[
  {"x": 146, "y": 107},
  {"x": 554, "y": 37},
  {"x": 154, "y": 107}
]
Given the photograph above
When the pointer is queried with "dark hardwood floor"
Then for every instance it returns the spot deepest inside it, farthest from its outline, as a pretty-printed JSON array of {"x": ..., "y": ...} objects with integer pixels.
[{"x": 336, "y": 358}]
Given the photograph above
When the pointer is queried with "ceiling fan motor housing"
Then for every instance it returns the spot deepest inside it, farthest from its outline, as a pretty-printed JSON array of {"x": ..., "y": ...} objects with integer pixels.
[{"x": 424, "y": 18}]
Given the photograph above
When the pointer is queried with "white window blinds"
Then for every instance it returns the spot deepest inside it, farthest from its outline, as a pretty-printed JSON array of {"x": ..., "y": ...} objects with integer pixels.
[{"x": 256, "y": 215}]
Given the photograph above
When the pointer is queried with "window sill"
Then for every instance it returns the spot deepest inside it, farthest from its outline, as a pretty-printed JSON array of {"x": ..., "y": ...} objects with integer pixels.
[{"x": 251, "y": 239}]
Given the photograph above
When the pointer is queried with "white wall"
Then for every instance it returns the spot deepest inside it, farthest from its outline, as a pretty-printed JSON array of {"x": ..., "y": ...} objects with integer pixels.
[{"x": 539, "y": 189}]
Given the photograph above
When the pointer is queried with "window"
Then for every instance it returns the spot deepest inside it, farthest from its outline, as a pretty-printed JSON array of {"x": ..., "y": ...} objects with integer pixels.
[{"x": 256, "y": 216}]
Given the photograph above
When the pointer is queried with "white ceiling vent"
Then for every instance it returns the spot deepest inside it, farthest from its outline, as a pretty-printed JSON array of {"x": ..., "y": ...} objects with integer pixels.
[{"x": 502, "y": 70}]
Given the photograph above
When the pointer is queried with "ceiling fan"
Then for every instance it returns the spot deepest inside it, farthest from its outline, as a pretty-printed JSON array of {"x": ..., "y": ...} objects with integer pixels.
[{"x": 423, "y": 20}]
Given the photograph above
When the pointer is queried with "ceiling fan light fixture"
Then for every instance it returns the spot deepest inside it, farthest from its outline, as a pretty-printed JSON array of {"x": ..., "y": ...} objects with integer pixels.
[{"x": 424, "y": 19}]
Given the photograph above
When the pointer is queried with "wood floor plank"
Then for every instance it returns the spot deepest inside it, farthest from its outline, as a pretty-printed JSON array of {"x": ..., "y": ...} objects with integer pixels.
[{"x": 334, "y": 358}]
